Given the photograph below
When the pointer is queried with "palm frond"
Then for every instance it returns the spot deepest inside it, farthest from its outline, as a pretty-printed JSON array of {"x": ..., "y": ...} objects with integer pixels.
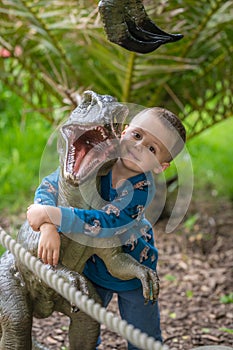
[{"x": 64, "y": 51}]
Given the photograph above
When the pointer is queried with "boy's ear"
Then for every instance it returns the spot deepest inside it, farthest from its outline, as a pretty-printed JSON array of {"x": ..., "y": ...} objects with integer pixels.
[{"x": 161, "y": 168}]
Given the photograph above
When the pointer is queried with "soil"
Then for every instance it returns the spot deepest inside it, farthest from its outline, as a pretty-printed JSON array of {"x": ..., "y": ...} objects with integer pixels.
[{"x": 195, "y": 269}]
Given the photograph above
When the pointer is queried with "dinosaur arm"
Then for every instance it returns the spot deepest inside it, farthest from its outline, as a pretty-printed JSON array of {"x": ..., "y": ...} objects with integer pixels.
[
  {"x": 73, "y": 277},
  {"x": 125, "y": 267}
]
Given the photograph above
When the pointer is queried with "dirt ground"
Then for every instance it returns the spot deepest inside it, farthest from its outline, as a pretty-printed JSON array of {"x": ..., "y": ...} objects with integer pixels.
[{"x": 195, "y": 269}]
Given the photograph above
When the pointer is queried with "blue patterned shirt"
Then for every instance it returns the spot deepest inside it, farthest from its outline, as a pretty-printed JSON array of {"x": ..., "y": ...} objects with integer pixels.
[{"x": 123, "y": 215}]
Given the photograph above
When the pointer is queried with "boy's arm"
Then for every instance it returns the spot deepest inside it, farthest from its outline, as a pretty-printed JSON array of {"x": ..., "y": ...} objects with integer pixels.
[
  {"x": 47, "y": 191},
  {"x": 40, "y": 218},
  {"x": 117, "y": 216},
  {"x": 49, "y": 244},
  {"x": 38, "y": 215}
]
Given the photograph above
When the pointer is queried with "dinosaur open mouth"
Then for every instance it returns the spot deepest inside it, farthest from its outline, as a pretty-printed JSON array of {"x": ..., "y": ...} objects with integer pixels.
[{"x": 87, "y": 148}]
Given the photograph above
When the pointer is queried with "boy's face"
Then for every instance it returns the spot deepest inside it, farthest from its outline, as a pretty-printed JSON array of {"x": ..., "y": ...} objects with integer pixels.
[{"x": 145, "y": 144}]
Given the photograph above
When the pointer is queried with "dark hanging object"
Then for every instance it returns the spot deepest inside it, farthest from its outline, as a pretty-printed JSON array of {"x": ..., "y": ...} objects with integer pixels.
[{"x": 128, "y": 25}]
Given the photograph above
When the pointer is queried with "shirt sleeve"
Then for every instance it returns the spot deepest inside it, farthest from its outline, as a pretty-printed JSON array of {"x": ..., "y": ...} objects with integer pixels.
[
  {"x": 47, "y": 192},
  {"x": 116, "y": 217}
]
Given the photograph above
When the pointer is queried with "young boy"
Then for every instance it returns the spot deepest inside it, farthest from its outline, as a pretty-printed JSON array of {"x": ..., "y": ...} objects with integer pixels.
[{"x": 153, "y": 138}]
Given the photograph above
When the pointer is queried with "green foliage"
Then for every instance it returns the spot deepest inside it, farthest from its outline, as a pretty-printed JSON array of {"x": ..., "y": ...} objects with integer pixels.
[
  {"x": 191, "y": 221},
  {"x": 211, "y": 156},
  {"x": 227, "y": 330},
  {"x": 59, "y": 49},
  {"x": 189, "y": 294},
  {"x": 23, "y": 135},
  {"x": 2, "y": 250},
  {"x": 211, "y": 160},
  {"x": 170, "y": 278},
  {"x": 205, "y": 330},
  {"x": 227, "y": 299}
]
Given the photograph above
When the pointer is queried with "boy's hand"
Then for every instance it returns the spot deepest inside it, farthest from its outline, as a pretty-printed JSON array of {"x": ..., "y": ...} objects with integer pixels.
[
  {"x": 49, "y": 244},
  {"x": 36, "y": 215}
]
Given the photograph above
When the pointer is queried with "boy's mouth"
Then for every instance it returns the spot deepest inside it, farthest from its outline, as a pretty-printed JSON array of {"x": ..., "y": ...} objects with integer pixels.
[{"x": 130, "y": 153}]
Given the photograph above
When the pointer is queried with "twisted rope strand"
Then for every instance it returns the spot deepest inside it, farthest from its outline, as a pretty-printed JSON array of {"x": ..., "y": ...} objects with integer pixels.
[{"x": 87, "y": 305}]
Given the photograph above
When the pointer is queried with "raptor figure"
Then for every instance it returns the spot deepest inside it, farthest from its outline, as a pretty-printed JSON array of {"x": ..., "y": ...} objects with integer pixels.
[{"x": 94, "y": 123}]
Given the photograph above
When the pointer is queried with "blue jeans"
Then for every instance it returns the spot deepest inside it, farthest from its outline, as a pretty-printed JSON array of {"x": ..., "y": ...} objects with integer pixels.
[{"x": 134, "y": 311}]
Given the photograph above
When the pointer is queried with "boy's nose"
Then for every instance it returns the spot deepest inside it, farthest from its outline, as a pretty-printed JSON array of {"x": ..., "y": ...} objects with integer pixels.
[{"x": 139, "y": 145}]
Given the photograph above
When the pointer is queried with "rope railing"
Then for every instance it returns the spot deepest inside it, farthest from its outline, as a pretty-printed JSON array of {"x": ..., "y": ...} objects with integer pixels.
[{"x": 83, "y": 302}]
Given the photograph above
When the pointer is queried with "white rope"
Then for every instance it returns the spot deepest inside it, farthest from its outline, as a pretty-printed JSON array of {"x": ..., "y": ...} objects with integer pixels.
[{"x": 87, "y": 305}]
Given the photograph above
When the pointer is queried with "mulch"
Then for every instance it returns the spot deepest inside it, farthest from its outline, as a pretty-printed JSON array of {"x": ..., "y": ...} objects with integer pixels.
[{"x": 195, "y": 269}]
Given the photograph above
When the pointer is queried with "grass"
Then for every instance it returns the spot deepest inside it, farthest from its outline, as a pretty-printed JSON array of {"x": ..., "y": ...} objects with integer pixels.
[
  {"x": 211, "y": 154},
  {"x": 23, "y": 136}
]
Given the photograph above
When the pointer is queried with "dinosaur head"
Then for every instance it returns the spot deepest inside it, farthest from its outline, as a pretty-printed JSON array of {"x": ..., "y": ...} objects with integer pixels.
[{"x": 90, "y": 136}]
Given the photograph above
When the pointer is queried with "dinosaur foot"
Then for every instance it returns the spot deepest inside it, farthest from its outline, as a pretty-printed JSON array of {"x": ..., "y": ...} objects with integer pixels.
[{"x": 128, "y": 25}]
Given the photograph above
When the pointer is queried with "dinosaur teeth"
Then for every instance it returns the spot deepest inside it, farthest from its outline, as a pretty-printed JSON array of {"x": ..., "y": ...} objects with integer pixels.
[
  {"x": 86, "y": 145},
  {"x": 82, "y": 127},
  {"x": 75, "y": 132},
  {"x": 101, "y": 130},
  {"x": 71, "y": 159}
]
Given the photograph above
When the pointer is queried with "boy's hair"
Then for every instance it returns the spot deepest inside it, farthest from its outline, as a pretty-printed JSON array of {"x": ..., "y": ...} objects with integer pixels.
[{"x": 173, "y": 123}]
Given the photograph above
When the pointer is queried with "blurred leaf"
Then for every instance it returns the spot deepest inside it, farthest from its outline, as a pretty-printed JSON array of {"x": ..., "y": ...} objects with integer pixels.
[
  {"x": 205, "y": 330},
  {"x": 227, "y": 330},
  {"x": 2, "y": 249},
  {"x": 190, "y": 222},
  {"x": 227, "y": 299},
  {"x": 172, "y": 315},
  {"x": 170, "y": 278},
  {"x": 189, "y": 294}
]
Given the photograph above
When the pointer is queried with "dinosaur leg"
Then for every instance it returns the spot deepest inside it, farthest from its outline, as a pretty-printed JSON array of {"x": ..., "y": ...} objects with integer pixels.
[
  {"x": 15, "y": 308},
  {"x": 83, "y": 332},
  {"x": 83, "y": 329}
]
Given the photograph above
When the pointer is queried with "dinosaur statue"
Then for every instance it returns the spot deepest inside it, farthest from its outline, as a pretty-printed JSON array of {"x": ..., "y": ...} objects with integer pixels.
[
  {"x": 128, "y": 25},
  {"x": 22, "y": 294}
]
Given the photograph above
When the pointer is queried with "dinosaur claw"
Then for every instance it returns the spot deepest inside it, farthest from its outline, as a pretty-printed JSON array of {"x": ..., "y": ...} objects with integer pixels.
[
  {"x": 131, "y": 27},
  {"x": 74, "y": 308},
  {"x": 139, "y": 40},
  {"x": 143, "y": 33},
  {"x": 131, "y": 44}
]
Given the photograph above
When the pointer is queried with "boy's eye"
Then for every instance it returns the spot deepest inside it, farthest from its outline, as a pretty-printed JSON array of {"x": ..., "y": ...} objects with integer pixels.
[
  {"x": 137, "y": 135},
  {"x": 152, "y": 149}
]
